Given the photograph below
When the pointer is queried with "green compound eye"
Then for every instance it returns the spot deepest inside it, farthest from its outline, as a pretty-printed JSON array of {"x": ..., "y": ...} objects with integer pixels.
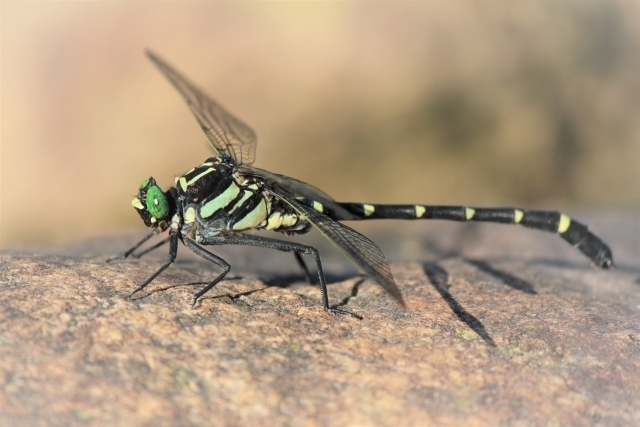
[
  {"x": 157, "y": 204},
  {"x": 144, "y": 184}
]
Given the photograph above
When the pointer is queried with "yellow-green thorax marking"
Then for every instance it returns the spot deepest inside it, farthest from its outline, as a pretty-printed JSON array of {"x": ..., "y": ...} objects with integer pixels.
[
  {"x": 220, "y": 201},
  {"x": 214, "y": 200}
]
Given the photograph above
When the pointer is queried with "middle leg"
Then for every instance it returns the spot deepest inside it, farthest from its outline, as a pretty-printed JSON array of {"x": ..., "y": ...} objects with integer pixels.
[{"x": 281, "y": 245}]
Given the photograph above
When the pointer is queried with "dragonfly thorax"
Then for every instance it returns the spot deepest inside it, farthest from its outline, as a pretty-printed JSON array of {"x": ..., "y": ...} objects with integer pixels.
[{"x": 215, "y": 198}]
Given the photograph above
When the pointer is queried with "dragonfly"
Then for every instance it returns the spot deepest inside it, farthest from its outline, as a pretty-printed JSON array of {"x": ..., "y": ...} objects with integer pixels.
[{"x": 224, "y": 199}]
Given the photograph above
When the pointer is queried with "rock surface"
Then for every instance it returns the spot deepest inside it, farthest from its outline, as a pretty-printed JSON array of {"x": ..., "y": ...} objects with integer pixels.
[{"x": 503, "y": 326}]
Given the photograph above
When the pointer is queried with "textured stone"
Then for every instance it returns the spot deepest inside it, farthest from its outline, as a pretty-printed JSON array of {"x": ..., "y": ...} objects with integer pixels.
[{"x": 503, "y": 326}]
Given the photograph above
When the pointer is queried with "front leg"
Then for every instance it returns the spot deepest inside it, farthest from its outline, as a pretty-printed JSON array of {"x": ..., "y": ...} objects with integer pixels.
[
  {"x": 136, "y": 246},
  {"x": 151, "y": 248},
  {"x": 173, "y": 252}
]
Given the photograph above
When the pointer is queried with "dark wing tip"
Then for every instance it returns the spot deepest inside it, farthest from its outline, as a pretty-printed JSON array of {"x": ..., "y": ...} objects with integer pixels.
[
  {"x": 159, "y": 62},
  {"x": 152, "y": 56},
  {"x": 392, "y": 289},
  {"x": 399, "y": 300}
]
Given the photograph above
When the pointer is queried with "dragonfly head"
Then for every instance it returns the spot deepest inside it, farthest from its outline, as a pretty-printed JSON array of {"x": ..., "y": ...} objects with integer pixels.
[{"x": 152, "y": 204}]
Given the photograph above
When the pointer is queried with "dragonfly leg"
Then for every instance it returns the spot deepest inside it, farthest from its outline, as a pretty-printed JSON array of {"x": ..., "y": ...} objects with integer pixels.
[
  {"x": 304, "y": 267},
  {"x": 151, "y": 248},
  {"x": 173, "y": 251},
  {"x": 132, "y": 249},
  {"x": 281, "y": 245},
  {"x": 199, "y": 250}
]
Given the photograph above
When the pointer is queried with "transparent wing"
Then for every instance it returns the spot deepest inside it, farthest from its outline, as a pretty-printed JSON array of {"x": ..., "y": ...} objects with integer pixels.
[
  {"x": 291, "y": 187},
  {"x": 362, "y": 251},
  {"x": 227, "y": 134}
]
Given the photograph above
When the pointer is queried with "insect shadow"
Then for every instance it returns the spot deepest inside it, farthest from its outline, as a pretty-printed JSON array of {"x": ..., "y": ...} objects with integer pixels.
[
  {"x": 466, "y": 235},
  {"x": 232, "y": 296},
  {"x": 507, "y": 278},
  {"x": 439, "y": 278},
  {"x": 280, "y": 281},
  {"x": 286, "y": 281},
  {"x": 354, "y": 293}
]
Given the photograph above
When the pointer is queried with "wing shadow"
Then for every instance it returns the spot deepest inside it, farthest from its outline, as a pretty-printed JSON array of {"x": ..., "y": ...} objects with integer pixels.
[{"x": 439, "y": 278}]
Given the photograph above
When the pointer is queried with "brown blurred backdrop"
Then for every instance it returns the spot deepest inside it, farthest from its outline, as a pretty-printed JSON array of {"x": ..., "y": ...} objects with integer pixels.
[{"x": 487, "y": 103}]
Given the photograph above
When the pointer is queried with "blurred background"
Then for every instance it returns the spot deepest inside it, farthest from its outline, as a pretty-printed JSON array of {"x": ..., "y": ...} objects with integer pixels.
[{"x": 532, "y": 104}]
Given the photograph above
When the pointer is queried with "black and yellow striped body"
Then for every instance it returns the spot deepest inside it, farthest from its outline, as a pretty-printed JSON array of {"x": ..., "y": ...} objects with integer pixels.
[
  {"x": 214, "y": 199},
  {"x": 574, "y": 232},
  {"x": 218, "y": 202}
]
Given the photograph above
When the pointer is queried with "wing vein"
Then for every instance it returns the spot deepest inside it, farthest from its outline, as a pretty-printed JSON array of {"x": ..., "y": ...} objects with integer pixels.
[
  {"x": 358, "y": 248},
  {"x": 227, "y": 134}
]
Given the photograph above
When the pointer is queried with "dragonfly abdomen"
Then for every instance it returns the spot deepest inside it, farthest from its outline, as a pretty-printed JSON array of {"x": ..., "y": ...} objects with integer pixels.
[{"x": 572, "y": 231}]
